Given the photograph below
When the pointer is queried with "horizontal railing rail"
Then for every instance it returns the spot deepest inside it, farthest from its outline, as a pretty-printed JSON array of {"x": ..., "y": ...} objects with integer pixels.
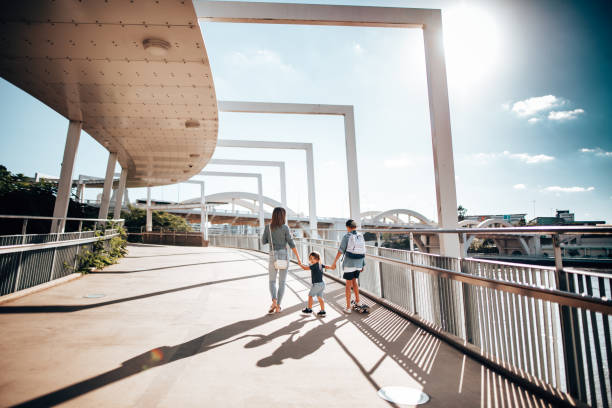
[
  {"x": 27, "y": 260},
  {"x": 548, "y": 324}
]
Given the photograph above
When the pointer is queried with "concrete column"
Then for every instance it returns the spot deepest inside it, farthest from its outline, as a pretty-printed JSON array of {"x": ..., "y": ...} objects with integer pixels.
[
  {"x": 149, "y": 223},
  {"x": 441, "y": 134},
  {"x": 203, "y": 213},
  {"x": 351, "y": 165},
  {"x": 261, "y": 204},
  {"x": 108, "y": 185},
  {"x": 312, "y": 203},
  {"x": 64, "y": 187},
  {"x": 283, "y": 185},
  {"x": 233, "y": 205},
  {"x": 120, "y": 192}
]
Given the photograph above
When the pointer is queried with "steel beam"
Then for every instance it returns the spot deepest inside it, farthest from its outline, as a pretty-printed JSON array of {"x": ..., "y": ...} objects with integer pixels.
[
  {"x": 237, "y": 174},
  {"x": 307, "y": 147},
  {"x": 346, "y": 111},
  {"x": 429, "y": 20},
  {"x": 279, "y": 164}
]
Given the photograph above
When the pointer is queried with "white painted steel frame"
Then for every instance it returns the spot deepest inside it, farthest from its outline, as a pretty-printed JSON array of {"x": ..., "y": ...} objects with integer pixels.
[
  {"x": 346, "y": 111},
  {"x": 307, "y": 147},
  {"x": 429, "y": 20},
  {"x": 237, "y": 174},
  {"x": 265, "y": 163},
  {"x": 202, "y": 204}
]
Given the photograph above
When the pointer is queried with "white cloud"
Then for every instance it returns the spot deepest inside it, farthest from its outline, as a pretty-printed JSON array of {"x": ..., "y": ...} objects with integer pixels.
[
  {"x": 527, "y": 158},
  {"x": 575, "y": 189},
  {"x": 519, "y": 186},
  {"x": 597, "y": 152},
  {"x": 531, "y": 106},
  {"x": 565, "y": 115},
  {"x": 260, "y": 58},
  {"x": 533, "y": 120},
  {"x": 358, "y": 49}
]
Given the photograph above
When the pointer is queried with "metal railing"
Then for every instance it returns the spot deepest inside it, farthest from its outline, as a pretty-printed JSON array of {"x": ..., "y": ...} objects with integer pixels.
[
  {"x": 550, "y": 325},
  {"x": 27, "y": 260}
]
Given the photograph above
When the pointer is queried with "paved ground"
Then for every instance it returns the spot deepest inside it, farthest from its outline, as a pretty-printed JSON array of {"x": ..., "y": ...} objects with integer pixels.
[{"x": 186, "y": 327}]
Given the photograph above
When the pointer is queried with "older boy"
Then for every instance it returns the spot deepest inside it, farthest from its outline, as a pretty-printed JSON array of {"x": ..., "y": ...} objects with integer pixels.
[{"x": 353, "y": 249}]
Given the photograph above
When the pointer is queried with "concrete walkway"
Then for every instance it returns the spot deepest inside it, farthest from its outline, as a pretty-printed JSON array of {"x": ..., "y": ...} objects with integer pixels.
[{"x": 186, "y": 327}]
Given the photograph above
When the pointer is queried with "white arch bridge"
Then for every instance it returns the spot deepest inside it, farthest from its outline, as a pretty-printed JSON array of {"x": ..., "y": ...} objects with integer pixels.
[{"x": 244, "y": 210}]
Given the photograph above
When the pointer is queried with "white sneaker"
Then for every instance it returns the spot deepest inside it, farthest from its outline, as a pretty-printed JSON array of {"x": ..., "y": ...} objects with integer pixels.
[{"x": 347, "y": 310}]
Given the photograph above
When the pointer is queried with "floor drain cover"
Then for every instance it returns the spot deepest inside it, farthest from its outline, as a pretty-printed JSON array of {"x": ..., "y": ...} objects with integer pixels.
[
  {"x": 94, "y": 295},
  {"x": 403, "y": 395}
]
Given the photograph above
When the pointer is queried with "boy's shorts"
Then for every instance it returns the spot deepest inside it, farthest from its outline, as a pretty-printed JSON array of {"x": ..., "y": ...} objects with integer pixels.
[
  {"x": 317, "y": 289},
  {"x": 351, "y": 275}
]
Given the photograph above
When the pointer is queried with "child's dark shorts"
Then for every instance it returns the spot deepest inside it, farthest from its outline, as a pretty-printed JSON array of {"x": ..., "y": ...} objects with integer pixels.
[{"x": 351, "y": 275}]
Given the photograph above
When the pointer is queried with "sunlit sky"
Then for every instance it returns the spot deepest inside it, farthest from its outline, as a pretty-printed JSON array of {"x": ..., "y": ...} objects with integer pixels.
[{"x": 530, "y": 110}]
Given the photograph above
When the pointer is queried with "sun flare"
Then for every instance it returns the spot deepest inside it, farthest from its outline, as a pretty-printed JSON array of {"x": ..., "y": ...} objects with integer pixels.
[{"x": 472, "y": 43}]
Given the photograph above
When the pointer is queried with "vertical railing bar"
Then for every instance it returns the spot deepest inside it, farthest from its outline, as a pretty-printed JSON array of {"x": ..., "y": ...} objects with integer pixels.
[
  {"x": 511, "y": 322},
  {"x": 586, "y": 344},
  {"x": 606, "y": 331},
  {"x": 599, "y": 363}
]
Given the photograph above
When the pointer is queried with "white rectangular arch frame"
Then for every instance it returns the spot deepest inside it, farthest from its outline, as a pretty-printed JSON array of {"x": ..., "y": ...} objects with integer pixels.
[
  {"x": 346, "y": 111},
  {"x": 429, "y": 20},
  {"x": 307, "y": 147},
  {"x": 202, "y": 204},
  {"x": 243, "y": 175},
  {"x": 265, "y": 163}
]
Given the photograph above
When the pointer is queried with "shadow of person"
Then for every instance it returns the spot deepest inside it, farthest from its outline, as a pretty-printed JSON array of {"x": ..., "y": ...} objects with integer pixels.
[
  {"x": 154, "y": 358},
  {"x": 307, "y": 344},
  {"x": 292, "y": 328}
]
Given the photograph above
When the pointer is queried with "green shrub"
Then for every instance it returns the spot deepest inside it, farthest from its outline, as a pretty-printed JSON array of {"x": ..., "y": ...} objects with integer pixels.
[{"x": 100, "y": 256}]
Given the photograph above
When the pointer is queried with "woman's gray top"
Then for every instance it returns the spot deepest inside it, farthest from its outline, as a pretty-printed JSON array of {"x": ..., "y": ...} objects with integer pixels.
[{"x": 281, "y": 237}]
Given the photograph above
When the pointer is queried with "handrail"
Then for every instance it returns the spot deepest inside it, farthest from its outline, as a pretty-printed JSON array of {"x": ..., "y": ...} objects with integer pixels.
[
  {"x": 9, "y": 249},
  {"x": 601, "y": 305},
  {"x": 487, "y": 231},
  {"x": 39, "y": 217}
]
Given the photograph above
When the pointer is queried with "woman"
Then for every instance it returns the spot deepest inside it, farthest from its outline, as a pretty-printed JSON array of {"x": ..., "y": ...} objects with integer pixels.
[{"x": 281, "y": 236}]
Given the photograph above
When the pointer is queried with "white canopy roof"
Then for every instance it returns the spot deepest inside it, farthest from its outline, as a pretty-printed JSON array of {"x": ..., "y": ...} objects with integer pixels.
[{"x": 156, "y": 107}]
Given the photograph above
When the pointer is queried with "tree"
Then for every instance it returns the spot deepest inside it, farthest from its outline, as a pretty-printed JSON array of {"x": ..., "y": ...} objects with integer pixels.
[
  {"x": 21, "y": 195},
  {"x": 461, "y": 211},
  {"x": 136, "y": 219}
]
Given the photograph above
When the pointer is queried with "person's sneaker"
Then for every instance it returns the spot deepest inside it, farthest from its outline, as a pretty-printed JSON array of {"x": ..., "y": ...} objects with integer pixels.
[
  {"x": 347, "y": 310},
  {"x": 306, "y": 311},
  {"x": 321, "y": 313}
]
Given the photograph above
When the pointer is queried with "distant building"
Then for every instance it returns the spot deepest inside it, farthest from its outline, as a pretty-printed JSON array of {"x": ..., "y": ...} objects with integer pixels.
[
  {"x": 514, "y": 219},
  {"x": 563, "y": 217}
]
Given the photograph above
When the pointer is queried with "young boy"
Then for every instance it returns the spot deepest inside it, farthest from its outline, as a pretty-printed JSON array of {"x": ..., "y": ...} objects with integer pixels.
[
  {"x": 318, "y": 286},
  {"x": 353, "y": 248}
]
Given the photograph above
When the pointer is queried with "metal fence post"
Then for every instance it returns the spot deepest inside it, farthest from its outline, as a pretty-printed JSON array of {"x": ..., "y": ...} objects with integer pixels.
[
  {"x": 380, "y": 274},
  {"x": 24, "y": 229},
  {"x": 53, "y": 258},
  {"x": 412, "y": 280},
  {"x": 572, "y": 351}
]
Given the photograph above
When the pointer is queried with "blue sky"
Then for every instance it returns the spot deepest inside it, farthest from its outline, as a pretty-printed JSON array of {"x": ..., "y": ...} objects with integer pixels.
[{"x": 530, "y": 110}]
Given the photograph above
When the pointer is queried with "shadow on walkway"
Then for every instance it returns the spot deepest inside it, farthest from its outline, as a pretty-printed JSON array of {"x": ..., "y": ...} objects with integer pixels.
[
  {"x": 155, "y": 358},
  {"x": 76, "y": 308},
  {"x": 169, "y": 267},
  {"x": 180, "y": 254}
]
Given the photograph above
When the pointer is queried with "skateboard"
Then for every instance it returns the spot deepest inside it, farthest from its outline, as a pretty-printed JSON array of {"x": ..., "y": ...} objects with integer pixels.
[{"x": 361, "y": 309}]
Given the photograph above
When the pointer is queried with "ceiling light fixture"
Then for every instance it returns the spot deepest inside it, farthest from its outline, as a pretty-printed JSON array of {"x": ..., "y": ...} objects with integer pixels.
[
  {"x": 192, "y": 123},
  {"x": 156, "y": 47}
]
